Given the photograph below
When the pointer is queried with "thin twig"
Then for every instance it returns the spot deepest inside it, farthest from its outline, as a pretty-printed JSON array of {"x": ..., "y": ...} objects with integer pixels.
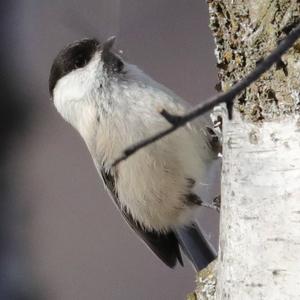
[
  {"x": 172, "y": 119},
  {"x": 226, "y": 97}
]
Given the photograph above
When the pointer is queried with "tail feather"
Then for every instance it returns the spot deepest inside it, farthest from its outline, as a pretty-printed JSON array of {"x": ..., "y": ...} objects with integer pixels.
[{"x": 196, "y": 246}]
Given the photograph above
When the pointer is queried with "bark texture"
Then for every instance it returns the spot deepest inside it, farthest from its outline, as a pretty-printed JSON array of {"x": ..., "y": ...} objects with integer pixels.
[
  {"x": 245, "y": 31},
  {"x": 259, "y": 255},
  {"x": 206, "y": 283},
  {"x": 260, "y": 223}
]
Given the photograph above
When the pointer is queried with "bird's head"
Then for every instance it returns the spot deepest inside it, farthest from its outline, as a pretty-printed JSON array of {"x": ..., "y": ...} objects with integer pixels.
[{"x": 82, "y": 71}]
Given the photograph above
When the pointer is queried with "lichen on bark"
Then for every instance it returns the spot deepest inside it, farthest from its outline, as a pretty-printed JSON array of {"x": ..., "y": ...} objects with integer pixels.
[
  {"x": 206, "y": 282},
  {"x": 245, "y": 31}
]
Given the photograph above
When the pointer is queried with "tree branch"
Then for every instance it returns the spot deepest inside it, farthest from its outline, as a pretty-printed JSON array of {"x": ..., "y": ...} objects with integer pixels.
[{"x": 227, "y": 97}]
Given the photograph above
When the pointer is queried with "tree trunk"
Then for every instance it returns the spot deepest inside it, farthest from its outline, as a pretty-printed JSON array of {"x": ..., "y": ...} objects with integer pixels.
[{"x": 259, "y": 253}]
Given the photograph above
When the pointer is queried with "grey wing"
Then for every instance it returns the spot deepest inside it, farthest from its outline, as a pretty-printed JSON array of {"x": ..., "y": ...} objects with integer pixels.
[{"x": 164, "y": 245}]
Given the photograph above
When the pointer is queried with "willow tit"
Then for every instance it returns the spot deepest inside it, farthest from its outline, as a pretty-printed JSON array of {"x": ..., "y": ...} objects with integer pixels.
[{"x": 113, "y": 104}]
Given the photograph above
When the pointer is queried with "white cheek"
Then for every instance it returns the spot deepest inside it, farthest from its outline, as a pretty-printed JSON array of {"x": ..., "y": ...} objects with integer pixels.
[
  {"x": 74, "y": 85},
  {"x": 76, "y": 88},
  {"x": 67, "y": 91}
]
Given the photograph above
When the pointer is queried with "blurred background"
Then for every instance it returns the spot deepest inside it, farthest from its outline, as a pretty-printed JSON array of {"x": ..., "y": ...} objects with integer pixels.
[{"x": 60, "y": 234}]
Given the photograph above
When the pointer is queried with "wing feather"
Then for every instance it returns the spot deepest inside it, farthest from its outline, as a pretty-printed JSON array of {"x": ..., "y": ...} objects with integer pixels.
[{"x": 164, "y": 245}]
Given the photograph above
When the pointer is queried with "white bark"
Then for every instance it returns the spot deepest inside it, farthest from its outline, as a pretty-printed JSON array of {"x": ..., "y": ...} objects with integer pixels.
[
  {"x": 260, "y": 216},
  {"x": 259, "y": 251}
]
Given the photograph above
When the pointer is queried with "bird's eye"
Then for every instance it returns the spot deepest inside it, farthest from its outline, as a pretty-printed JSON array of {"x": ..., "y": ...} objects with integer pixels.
[{"x": 80, "y": 62}]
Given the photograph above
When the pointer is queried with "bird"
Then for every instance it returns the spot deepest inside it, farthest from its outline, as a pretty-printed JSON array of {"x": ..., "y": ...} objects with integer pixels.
[{"x": 113, "y": 104}]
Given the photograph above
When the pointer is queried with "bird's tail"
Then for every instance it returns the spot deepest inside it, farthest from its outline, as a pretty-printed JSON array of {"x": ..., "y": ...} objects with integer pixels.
[{"x": 196, "y": 246}]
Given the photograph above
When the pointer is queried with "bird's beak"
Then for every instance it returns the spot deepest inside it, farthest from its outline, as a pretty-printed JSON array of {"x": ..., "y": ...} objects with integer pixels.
[{"x": 108, "y": 44}]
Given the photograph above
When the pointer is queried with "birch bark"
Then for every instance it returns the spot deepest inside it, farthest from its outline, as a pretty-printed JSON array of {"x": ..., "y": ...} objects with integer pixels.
[{"x": 259, "y": 253}]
